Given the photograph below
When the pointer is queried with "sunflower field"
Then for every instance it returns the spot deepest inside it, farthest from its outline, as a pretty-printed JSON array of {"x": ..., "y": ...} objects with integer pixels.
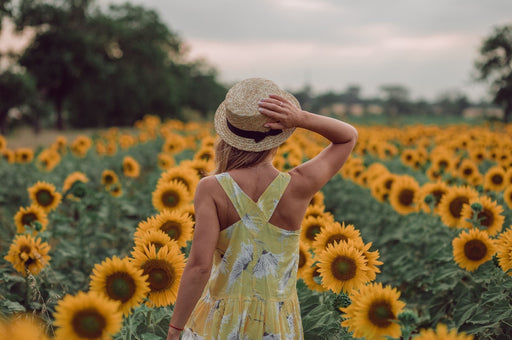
[{"x": 411, "y": 240}]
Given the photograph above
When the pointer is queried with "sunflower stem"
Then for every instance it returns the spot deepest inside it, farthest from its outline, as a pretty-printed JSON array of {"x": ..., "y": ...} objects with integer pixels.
[
  {"x": 28, "y": 292},
  {"x": 148, "y": 319},
  {"x": 129, "y": 328}
]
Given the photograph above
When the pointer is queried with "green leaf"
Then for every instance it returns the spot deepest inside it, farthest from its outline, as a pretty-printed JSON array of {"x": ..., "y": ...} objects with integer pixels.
[{"x": 150, "y": 336}]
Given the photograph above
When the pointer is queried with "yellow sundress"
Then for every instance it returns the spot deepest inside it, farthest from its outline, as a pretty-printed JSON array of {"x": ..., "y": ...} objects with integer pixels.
[{"x": 251, "y": 293}]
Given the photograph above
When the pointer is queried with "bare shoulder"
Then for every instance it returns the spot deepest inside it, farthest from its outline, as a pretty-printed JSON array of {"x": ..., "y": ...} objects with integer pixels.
[{"x": 207, "y": 186}]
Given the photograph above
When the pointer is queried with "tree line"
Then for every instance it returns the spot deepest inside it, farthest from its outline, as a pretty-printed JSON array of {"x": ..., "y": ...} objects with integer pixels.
[{"x": 89, "y": 66}]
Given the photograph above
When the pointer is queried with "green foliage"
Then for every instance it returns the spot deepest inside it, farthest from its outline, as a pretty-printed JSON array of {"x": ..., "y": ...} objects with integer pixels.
[
  {"x": 110, "y": 67},
  {"x": 494, "y": 66}
]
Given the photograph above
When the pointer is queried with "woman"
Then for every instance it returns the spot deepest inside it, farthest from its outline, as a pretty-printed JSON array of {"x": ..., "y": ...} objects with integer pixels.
[{"x": 248, "y": 218}]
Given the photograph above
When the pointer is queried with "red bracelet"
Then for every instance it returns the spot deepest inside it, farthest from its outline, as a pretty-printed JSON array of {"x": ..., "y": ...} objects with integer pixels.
[{"x": 176, "y": 328}]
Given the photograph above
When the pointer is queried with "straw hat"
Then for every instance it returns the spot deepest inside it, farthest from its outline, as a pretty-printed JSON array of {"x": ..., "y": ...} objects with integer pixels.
[{"x": 238, "y": 121}]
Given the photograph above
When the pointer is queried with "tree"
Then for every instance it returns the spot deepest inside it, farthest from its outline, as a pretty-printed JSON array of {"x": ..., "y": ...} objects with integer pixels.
[
  {"x": 494, "y": 65},
  {"x": 15, "y": 90},
  {"x": 396, "y": 99}
]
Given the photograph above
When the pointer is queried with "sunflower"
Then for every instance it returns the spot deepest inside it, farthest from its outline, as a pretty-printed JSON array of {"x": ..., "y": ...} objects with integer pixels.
[
  {"x": 131, "y": 167},
  {"x": 8, "y": 155},
  {"x": 442, "y": 333},
  {"x": 494, "y": 179},
  {"x": 127, "y": 141},
  {"x": 174, "y": 144},
  {"x": 311, "y": 227},
  {"x": 436, "y": 190},
  {"x": 305, "y": 260},
  {"x": 183, "y": 175},
  {"x": 508, "y": 177},
  {"x": 87, "y": 316},
  {"x": 116, "y": 190},
  {"x": 401, "y": 196},
  {"x": 373, "y": 312},
  {"x": 165, "y": 161},
  {"x": 28, "y": 253},
  {"x": 478, "y": 154},
  {"x": 3, "y": 143},
  {"x": 81, "y": 145},
  {"x": 312, "y": 278},
  {"x": 472, "y": 248},
  {"x": 72, "y": 178},
  {"x": 205, "y": 153},
  {"x": 23, "y": 155},
  {"x": 22, "y": 327},
  {"x": 504, "y": 246},
  {"x": 507, "y": 196},
  {"x": 333, "y": 233},
  {"x": 318, "y": 210},
  {"x": 371, "y": 257},
  {"x": 154, "y": 237},
  {"x": 164, "y": 269},
  {"x": 451, "y": 204},
  {"x": 434, "y": 173},
  {"x": 176, "y": 224},
  {"x": 409, "y": 157},
  {"x": 32, "y": 216},
  {"x": 48, "y": 159},
  {"x": 468, "y": 171},
  {"x": 44, "y": 195},
  {"x": 317, "y": 199},
  {"x": 108, "y": 178},
  {"x": 119, "y": 280},
  {"x": 60, "y": 145},
  {"x": 202, "y": 167},
  {"x": 170, "y": 195},
  {"x": 382, "y": 185},
  {"x": 342, "y": 267},
  {"x": 442, "y": 159},
  {"x": 488, "y": 215}
]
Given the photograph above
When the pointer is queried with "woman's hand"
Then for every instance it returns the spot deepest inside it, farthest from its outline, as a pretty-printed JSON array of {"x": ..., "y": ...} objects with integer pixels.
[
  {"x": 173, "y": 334},
  {"x": 283, "y": 113}
]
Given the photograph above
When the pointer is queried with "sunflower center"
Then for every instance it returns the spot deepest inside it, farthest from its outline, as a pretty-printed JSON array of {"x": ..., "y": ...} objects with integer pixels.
[
  {"x": 128, "y": 167},
  {"x": 120, "y": 286},
  {"x": 302, "y": 259},
  {"x": 312, "y": 231},
  {"x": 497, "y": 179},
  {"x": 172, "y": 228},
  {"x": 406, "y": 197},
  {"x": 380, "y": 314},
  {"x": 443, "y": 164},
  {"x": 88, "y": 323},
  {"x": 456, "y": 205},
  {"x": 170, "y": 199},
  {"x": 467, "y": 171},
  {"x": 160, "y": 273},
  {"x": 438, "y": 194},
  {"x": 109, "y": 179},
  {"x": 486, "y": 218},
  {"x": 337, "y": 238},
  {"x": 343, "y": 268},
  {"x": 475, "y": 250},
  {"x": 28, "y": 218},
  {"x": 388, "y": 184},
  {"x": 44, "y": 197}
]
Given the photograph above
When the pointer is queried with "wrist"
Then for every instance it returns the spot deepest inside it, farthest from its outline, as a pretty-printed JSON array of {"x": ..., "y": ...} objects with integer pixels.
[{"x": 303, "y": 122}]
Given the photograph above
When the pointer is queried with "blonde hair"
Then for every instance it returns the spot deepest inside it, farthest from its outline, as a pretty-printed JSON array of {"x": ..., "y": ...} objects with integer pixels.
[{"x": 228, "y": 157}]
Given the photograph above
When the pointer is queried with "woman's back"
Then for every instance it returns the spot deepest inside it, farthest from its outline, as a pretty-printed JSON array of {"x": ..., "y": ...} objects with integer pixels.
[
  {"x": 253, "y": 182},
  {"x": 251, "y": 291}
]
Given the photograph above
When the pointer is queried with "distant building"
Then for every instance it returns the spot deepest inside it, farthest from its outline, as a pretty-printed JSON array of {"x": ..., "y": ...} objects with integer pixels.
[{"x": 476, "y": 111}]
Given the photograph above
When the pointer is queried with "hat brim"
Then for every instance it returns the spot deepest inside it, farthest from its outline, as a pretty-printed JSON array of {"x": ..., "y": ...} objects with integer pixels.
[{"x": 248, "y": 144}]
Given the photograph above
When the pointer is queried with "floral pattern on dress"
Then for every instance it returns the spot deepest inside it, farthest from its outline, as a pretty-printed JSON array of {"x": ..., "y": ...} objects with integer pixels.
[{"x": 251, "y": 292}]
